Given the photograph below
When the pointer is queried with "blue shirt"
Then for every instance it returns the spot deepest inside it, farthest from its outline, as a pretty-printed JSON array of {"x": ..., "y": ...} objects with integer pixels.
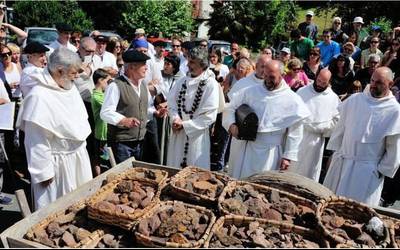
[{"x": 328, "y": 51}]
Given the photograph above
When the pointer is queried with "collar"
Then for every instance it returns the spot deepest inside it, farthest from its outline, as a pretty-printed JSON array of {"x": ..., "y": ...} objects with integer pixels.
[{"x": 367, "y": 93}]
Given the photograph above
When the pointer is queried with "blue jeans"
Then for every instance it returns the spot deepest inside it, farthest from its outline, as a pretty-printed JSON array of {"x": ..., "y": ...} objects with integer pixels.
[{"x": 125, "y": 150}]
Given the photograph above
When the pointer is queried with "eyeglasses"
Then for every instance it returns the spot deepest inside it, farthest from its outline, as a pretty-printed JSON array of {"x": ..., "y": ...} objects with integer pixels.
[
  {"x": 175, "y": 46},
  {"x": 374, "y": 41},
  {"x": 296, "y": 69},
  {"x": 203, "y": 45},
  {"x": 7, "y": 54}
]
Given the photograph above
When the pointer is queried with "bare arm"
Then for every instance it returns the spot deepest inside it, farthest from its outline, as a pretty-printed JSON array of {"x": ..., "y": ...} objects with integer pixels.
[{"x": 21, "y": 35}]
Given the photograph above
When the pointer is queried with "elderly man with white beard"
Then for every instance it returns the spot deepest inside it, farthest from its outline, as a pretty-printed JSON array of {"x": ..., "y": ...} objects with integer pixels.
[
  {"x": 366, "y": 141},
  {"x": 323, "y": 104},
  {"x": 54, "y": 119},
  {"x": 280, "y": 113},
  {"x": 193, "y": 106}
]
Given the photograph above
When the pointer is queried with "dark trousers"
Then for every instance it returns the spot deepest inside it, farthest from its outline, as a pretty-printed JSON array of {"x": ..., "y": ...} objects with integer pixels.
[
  {"x": 151, "y": 149},
  {"x": 219, "y": 143},
  {"x": 90, "y": 144},
  {"x": 125, "y": 150}
]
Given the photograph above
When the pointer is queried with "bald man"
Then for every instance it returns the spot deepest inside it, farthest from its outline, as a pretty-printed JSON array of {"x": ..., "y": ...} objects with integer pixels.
[
  {"x": 323, "y": 104},
  {"x": 366, "y": 141},
  {"x": 280, "y": 112}
]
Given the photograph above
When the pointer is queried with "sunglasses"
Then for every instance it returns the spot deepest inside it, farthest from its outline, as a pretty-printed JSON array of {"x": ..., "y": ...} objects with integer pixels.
[
  {"x": 176, "y": 46},
  {"x": 7, "y": 54},
  {"x": 374, "y": 41}
]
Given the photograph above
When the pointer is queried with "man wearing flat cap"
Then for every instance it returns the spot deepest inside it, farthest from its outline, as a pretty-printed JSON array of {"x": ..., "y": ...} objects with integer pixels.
[
  {"x": 102, "y": 58},
  {"x": 159, "y": 46},
  {"x": 64, "y": 35},
  {"x": 37, "y": 60},
  {"x": 126, "y": 107}
]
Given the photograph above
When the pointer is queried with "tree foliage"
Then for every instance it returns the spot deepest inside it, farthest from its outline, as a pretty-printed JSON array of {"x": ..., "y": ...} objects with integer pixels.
[
  {"x": 252, "y": 23},
  {"x": 48, "y": 13},
  {"x": 168, "y": 17}
]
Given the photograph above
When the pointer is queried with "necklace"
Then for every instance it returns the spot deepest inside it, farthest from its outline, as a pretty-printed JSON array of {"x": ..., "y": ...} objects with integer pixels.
[{"x": 182, "y": 108}]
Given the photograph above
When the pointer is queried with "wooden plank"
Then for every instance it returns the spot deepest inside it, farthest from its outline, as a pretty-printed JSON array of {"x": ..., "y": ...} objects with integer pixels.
[
  {"x": 23, "y": 203},
  {"x": 15, "y": 233},
  {"x": 22, "y": 243}
]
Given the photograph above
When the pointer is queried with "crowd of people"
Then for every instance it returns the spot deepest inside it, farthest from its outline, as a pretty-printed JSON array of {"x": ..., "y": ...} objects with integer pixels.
[{"x": 81, "y": 94}]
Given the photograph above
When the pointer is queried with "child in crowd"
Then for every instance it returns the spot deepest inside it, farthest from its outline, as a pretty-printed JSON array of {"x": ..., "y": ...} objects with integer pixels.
[{"x": 101, "y": 79}]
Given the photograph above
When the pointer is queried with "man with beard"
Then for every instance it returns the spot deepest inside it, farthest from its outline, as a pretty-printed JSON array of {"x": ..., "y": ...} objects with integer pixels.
[
  {"x": 54, "y": 120},
  {"x": 280, "y": 113},
  {"x": 366, "y": 141},
  {"x": 193, "y": 107},
  {"x": 323, "y": 104}
]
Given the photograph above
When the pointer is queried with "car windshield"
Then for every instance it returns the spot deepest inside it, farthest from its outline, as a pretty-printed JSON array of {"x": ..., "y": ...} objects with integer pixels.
[
  {"x": 42, "y": 36},
  {"x": 225, "y": 47}
]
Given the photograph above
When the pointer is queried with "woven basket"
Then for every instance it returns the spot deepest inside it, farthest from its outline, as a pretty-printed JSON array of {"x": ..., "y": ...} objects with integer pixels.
[
  {"x": 186, "y": 195},
  {"x": 265, "y": 190},
  {"x": 149, "y": 242},
  {"x": 88, "y": 242},
  {"x": 351, "y": 209},
  {"x": 114, "y": 218},
  {"x": 239, "y": 221},
  {"x": 136, "y": 173}
]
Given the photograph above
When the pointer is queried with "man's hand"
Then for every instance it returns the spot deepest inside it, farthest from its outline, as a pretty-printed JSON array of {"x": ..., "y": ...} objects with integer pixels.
[
  {"x": 234, "y": 130},
  {"x": 177, "y": 125},
  {"x": 130, "y": 122},
  {"x": 161, "y": 112},
  {"x": 285, "y": 163},
  {"x": 2, "y": 101},
  {"x": 14, "y": 85},
  {"x": 47, "y": 182}
]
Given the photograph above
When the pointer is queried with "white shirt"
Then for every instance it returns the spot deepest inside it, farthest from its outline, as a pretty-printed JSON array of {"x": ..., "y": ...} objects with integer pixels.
[
  {"x": 108, "y": 111},
  {"x": 56, "y": 44},
  {"x": 27, "y": 83},
  {"x": 105, "y": 60}
]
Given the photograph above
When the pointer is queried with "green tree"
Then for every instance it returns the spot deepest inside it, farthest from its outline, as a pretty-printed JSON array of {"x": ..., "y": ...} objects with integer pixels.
[
  {"x": 168, "y": 17},
  {"x": 252, "y": 23},
  {"x": 48, "y": 13}
]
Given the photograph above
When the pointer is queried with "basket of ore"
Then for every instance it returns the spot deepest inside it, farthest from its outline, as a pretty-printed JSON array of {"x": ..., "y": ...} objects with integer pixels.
[
  {"x": 348, "y": 223},
  {"x": 235, "y": 231},
  {"x": 200, "y": 186},
  {"x": 253, "y": 200},
  {"x": 174, "y": 224}
]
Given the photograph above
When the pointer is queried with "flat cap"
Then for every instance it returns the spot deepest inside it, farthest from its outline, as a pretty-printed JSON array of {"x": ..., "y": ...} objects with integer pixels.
[
  {"x": 101, "y": 38},
  {"x": 160, "y": 43},
  {"x": 133, "y": 55},
  {"x": 35, "y": 47},
  {"x": 64, "y": 27}
]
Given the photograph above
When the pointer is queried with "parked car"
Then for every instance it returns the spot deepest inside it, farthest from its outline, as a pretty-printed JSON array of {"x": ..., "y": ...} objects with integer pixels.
[
  {"x": 42, "y": 35},
  {"x": 224, "y": 46},
  {"x": 109, "y": 34}
]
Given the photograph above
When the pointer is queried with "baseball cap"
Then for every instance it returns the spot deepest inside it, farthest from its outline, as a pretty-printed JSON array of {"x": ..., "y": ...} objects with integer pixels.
[
  {"x": 139, "y": 31},
  {"x": 310, "y": 13},
  {"x": 358, "y": 20},
  {"x": 286, "y": 50}
]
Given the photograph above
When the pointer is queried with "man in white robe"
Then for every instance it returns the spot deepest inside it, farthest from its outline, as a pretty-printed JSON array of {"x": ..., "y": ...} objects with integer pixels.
[
  {"x": 323, "y": 104},
  {"x": 193, "y": 107},
  {"x": 55, "y": 123},
  {"x": 255, "y": 78},
  {"x": 280, "y": 113},
  {"x": 366, "y": 141}
]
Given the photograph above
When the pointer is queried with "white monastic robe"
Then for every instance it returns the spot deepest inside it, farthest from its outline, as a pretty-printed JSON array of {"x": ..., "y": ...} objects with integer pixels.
[
  {"x": 324, "y": 116},
  {"x": 280, "y": 113},
  {"x": 56, "y": 126},
  {"x": 237, "y": 145},
  {"x": 26, "y": 83},
  {"x": 197, "y": 129},
  {"x": 366, "y": 142}
]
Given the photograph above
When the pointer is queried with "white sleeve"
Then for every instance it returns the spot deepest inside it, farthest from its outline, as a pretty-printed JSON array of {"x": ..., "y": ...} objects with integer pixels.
[
  {"x": 293, "y": 139},
  {"x": 171, "y": 101},
  {"x": 390, "y": 161},
  {"x": 38, "y": 152},
  {"x": 3, "y": 91},
  {"x": 108, "y": 109}
]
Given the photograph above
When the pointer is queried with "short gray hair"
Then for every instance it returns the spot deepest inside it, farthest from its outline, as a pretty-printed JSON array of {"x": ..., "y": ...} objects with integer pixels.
[
  {"x": 388, "y": 72},
  {"x": 374, "y": 57},
  {"x": 200, "y": 54},
  {"x": 87, "y": 40},
  {"x": 63, "y": 58}
]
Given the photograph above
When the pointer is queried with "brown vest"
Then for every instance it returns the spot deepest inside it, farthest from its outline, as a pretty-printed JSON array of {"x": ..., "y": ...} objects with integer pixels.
[{"x": 130, "y": 105}]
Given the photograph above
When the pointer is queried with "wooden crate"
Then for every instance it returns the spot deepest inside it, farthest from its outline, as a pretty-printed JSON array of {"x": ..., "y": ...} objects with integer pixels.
[{"x": 13, "y": 237}]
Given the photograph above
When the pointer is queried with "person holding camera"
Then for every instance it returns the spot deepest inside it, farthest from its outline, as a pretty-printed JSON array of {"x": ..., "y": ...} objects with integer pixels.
[{"x": 220, "y": 70}]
